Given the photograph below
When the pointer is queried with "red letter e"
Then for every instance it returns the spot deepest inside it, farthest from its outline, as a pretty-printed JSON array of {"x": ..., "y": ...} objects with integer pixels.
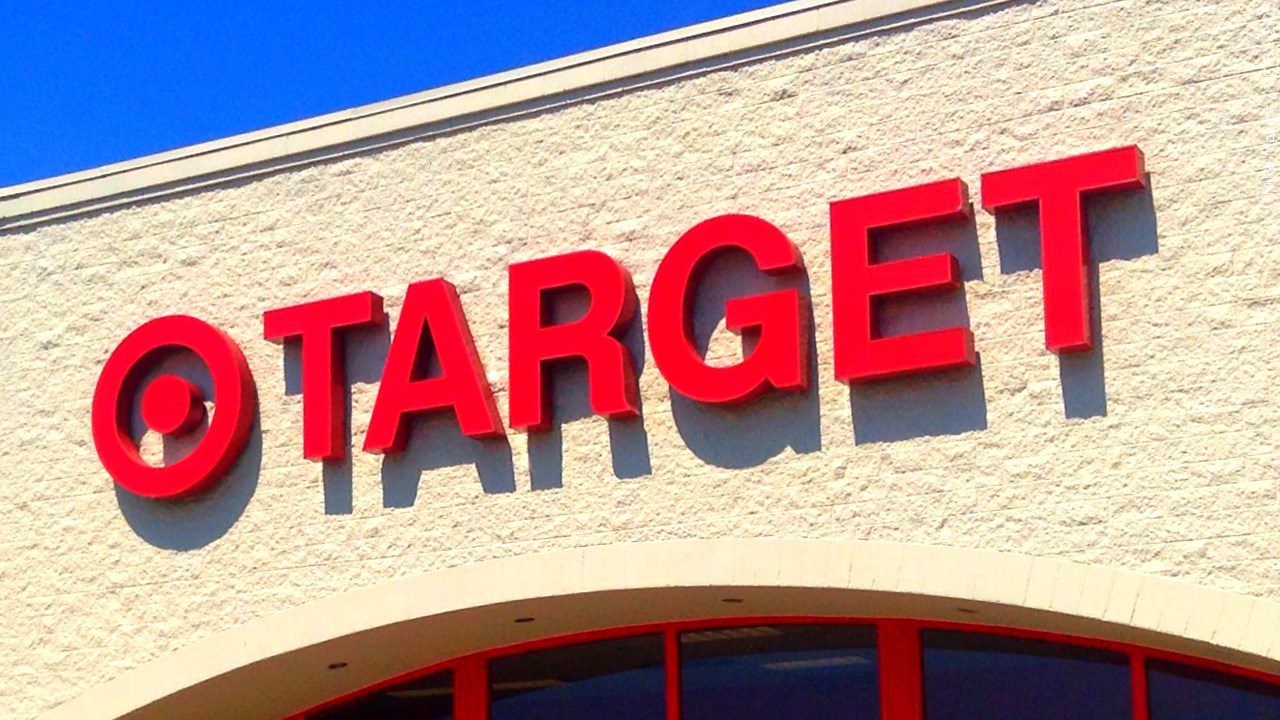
[{"x": 861, "y": 355}]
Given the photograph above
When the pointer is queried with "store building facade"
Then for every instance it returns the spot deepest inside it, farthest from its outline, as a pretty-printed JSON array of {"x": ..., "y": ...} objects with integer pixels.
[{"x": 808, "y": 363}]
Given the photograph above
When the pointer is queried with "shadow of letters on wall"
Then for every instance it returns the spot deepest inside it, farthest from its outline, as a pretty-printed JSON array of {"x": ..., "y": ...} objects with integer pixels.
[{"x": 1121, "y": 226}]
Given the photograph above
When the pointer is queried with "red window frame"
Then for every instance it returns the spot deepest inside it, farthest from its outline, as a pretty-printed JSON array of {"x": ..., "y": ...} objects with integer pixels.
[{"x": 898, "y": 648}]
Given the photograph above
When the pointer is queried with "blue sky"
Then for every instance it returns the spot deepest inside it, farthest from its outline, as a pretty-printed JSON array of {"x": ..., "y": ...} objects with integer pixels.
[{"x": 89, "y": 82}]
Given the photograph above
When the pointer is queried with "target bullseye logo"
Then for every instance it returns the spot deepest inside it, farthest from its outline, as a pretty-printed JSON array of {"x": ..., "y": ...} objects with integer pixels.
[{"x": 173, "y": 407}]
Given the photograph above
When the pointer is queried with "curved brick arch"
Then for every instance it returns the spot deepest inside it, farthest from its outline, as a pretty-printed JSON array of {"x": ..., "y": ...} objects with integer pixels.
[{"x": 278, "y": 664}]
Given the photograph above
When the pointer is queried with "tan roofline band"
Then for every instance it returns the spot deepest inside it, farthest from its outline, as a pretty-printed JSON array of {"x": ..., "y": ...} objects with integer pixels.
[{"x": 779, "y": 29}]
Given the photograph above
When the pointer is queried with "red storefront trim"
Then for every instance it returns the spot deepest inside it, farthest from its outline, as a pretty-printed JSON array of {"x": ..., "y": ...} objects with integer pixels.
[{"x": 899, "y": 650}]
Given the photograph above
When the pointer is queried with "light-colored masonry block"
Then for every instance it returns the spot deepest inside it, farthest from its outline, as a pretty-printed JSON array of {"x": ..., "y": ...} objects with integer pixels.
[{"x": 1157, "y": 457}]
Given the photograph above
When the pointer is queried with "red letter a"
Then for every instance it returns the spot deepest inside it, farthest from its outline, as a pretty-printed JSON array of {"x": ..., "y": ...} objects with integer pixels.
[{"x": 432, "y": 312}]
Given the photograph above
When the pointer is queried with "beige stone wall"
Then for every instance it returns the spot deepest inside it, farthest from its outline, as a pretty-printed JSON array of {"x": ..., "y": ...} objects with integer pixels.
[{"x": 1157, "y": 455}]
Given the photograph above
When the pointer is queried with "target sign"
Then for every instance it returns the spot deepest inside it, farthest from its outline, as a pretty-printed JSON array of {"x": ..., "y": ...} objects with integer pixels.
[
  {"x": 173, "y": 407},
  {"x": 432, "y": 321}
]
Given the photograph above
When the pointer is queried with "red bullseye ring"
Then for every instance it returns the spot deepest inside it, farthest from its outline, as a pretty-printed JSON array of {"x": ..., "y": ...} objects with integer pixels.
[{"x": 173, "y": 406}]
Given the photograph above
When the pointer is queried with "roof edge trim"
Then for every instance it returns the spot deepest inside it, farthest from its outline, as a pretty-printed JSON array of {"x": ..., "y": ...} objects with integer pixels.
[{"x": 358, "y": 129}]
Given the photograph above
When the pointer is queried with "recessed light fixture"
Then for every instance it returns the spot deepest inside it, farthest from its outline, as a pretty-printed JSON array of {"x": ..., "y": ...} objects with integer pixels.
[
  {"x": 524, "y": 620},
  {"x": 337, "y": 665}
]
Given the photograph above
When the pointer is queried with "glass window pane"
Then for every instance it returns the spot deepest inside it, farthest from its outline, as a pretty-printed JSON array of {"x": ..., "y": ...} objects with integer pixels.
[
  {"x": 428, "y": 698},
  {"x": 780, "y": 672},
  {"x": 969, "y": 676},
  {"x": 600, "y": 680},
  {"x": 1179, "y": 692}
]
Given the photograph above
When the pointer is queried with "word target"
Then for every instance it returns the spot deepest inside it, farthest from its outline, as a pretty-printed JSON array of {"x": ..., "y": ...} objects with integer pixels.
[{"x": 432, "y": 321}]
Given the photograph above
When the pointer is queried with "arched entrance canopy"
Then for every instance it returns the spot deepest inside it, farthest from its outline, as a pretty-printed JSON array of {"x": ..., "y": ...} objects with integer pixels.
[
  {"x": 279, "y": 665},
  {"x": 816, "y": 668}
]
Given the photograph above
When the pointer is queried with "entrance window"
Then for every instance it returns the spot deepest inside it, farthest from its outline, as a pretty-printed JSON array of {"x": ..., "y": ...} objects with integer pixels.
[
  {"x": 784, "y": 668},
  {"x": 602, "y": 680},
  {"x": 427, "y": 698},
  {"x": 816, "y": 672},
  {"x": 970, "y": 675},
  {"x": 1181, "y": 692}
]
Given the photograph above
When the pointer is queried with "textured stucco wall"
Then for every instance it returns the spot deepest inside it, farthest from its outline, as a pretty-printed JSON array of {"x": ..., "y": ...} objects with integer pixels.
[{"x": 1158, "y": 454}]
